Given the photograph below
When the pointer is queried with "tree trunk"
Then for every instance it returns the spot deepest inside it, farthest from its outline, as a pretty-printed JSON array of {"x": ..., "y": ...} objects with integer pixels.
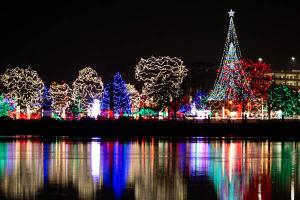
[
  {"x": 269, "y": 110},
  {"x": 243, "y": 111},
  {"x": 174, "y": 112}
]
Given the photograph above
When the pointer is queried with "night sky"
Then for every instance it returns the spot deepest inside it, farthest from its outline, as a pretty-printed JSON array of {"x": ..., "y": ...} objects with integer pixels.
[{"x": 59, "y": 39}]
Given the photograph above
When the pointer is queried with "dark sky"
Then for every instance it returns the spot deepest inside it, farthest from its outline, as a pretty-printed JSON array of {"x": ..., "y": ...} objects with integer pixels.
[{"x": 59, "y": 39}]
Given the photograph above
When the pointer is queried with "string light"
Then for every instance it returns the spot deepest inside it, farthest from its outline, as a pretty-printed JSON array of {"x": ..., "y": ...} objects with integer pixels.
[
  {"x": 60, "y": 94},
  {"x": 25, "y": 87},
  {"x": 224, "y": 84},
  {"x": 95, "y": 110},
  {"x": 87, "y": 87},
  {"x": 162, "y": 78},
  {"x": 284, "y": 99},
  {"x": 6, "y": 106},
  {"x": 116, "y": 97},
  {"x": 134, "y": 97},
  {"x": 200, "y": 100}
]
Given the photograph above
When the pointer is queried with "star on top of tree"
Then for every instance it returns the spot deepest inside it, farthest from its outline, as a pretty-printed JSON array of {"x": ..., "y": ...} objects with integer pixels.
[{"x": 231, "y": 13}]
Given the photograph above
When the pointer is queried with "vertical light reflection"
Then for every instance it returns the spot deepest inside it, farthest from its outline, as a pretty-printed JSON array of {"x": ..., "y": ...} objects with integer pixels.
[
  {"x": 95, "y": 155},
  {"x": 164, "y": 180},
  {"x": 24, "y": 174},
  {"x": 152, "y": 169},
  {"x": 259, "y": 191}
]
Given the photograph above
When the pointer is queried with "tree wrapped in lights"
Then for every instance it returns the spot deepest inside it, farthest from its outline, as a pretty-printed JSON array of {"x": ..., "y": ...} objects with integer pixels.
[
  {"x": 200, "y": 100},
  {"x": 146, "y": 101},
  {"x": 6, "y": 105},
  {"x": 283, "y": 98},
  {"x": 260, "y": 78},
  {"x": 252, "y": 83},
  {"x": 60, "y": 94},
  {"x": 228, "y": 74},
  {"x": 134, "y": 96},
  {"x": 87, "y": 87},
  {"x": 47, "y": 100},
  {"x": 25, "y": 87},
  {"x": 256, "y": 81},
  {"x": 162, "y": 78},
  {"x": 107, "y": 102},
  {"x": 116, "y": 97}
]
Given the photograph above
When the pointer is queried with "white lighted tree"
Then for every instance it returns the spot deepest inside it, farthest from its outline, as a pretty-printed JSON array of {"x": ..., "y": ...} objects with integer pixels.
[
  {"x": 162, "y": 78},
  {"x": 25, "y": 87},
  {"x": 134, "y": 96},
  {"x": 60, "y": 94},
  {"x": 87, "y": 87}
]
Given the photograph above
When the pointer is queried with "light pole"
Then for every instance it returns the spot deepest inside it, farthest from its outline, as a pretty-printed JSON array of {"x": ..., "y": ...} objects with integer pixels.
[{"x": 293, "y": 59}]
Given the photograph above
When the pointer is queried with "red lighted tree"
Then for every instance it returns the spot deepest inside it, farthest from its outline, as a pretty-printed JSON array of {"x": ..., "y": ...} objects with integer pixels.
[
  {"x": 260, "y": 79},
  {"x": 253, "y": 83}
]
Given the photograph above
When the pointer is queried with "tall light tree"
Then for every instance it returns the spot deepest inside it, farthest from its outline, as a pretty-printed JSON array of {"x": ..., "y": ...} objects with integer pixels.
[
  {"x": 60, "y": 94},
  {"x": 162, "y": 78},
  {"x": 116, "y": 98},
  {"x": 87, "y": 87},
  {"x": 25, "y": 87}
]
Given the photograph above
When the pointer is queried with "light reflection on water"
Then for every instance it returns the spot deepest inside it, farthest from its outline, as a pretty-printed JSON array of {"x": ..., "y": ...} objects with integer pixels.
[{"x": 148, "y": 169}]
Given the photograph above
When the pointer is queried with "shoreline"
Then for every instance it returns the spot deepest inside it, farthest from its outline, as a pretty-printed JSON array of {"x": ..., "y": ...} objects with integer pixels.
[{"x": 126, "y": 129}]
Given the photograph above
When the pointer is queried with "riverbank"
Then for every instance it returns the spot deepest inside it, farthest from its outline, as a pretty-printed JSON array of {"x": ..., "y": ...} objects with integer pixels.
[{"x": 127, "y": 128}]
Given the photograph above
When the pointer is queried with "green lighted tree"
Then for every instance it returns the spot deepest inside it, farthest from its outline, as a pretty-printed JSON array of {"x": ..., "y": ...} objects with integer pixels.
[{"x": 283, "y": 98}]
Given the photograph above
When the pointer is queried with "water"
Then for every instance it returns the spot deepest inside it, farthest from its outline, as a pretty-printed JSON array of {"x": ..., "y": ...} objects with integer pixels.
[{"x": 63, "y": 168}]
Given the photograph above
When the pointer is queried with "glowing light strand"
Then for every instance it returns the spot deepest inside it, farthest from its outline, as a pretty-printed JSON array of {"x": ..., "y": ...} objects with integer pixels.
[
  {"x": 222, "y": 89},
  {"x": 162, "y": 78},
  {"x": 6, "y": 106},
  {"x": 116, "y": 97},
  {"x": 60, "y": 94},
  {"x": 134, "y": 97},
  {"x": 25, "y": 87},
  {"x": 87, "y": 87}
]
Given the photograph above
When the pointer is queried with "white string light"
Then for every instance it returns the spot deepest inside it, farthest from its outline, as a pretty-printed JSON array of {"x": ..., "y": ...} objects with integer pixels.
[
  {"x": 134, "y": 96},
  {"x": 60, "y": 94},
  {"x": 87, "y": 87},
  {"x": 25, "y": 87},
  {"x": 162, "y": 77}
]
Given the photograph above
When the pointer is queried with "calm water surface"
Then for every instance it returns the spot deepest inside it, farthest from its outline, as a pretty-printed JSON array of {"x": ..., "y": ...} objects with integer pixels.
[{"x": 63, "y": 168}]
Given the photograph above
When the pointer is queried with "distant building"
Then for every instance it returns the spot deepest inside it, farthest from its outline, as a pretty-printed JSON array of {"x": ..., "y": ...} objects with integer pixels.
[{"x": 290, "y": 78}]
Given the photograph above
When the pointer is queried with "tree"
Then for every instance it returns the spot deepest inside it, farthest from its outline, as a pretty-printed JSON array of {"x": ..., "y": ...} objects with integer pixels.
[
  {"x": 87, "y": 87},
  {"x": 25, "y": 87},
  {"x": 251, "y": 81},
  {"x": 60, "y": 94},
  {"x": 47, "y": 100},
  {"x": 179, "y": 104},
  {"x": 116, "y": 97},
  {"x": 134, "y": 97},
  {"x": 260, "y": 78},
  {"x": 228, "y": 73},
  {"x": 6, "y": 106},
  {"x": 257, "y": 79},
  {"x": 200, "y": 100},
  {"x": 162, "y": 78},
  {"x": 283, "y": 98}
]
